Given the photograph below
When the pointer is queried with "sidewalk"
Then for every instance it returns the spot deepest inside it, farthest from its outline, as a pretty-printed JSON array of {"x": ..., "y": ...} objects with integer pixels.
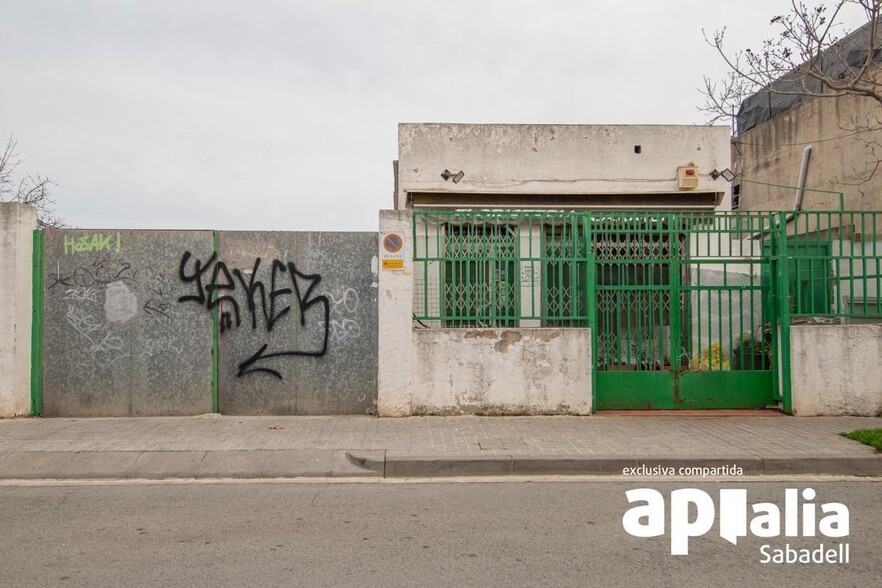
[{"x": 212, "y": 446}]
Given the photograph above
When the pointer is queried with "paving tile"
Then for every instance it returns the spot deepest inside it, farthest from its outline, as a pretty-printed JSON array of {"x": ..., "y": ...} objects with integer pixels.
[{"x": 680, "y": 436}]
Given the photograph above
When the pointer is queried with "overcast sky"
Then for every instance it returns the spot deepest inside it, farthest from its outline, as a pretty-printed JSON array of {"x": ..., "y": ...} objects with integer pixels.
[{"x": 282, "y": 115}]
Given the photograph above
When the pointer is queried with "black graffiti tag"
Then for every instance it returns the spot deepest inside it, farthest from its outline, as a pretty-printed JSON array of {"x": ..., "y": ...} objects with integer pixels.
[
  {"x": 306, "y": 301},
  {"x": 195, "y": 277},
  {"x": 285, "y": 279},
  {"x": 256, "y": 292},
  {"x": 207, "y": 294}
]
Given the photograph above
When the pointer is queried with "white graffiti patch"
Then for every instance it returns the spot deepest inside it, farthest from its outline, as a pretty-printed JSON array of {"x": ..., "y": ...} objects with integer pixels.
[{"x": 120, "y": 303}]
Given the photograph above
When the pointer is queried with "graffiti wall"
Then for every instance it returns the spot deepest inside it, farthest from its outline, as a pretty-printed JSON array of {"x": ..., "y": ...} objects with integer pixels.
[
  {"x": 298, "y": 322},
  {"x": 132, "y": 321},
  {"x": 115, "y": 340}
]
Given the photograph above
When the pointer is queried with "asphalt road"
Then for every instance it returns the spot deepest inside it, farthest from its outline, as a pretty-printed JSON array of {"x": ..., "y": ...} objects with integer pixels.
[{"x": 443, "y": 533}]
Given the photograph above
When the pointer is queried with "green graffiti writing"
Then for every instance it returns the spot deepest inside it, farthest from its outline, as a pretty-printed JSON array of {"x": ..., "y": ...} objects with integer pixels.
[{"x": 90, "y": 243}]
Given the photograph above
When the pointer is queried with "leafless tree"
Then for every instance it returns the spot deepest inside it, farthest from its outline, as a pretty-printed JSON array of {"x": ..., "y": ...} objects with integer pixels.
[
  {"x": 34, "y": 190},
  {"x": 804, "y": 58}
]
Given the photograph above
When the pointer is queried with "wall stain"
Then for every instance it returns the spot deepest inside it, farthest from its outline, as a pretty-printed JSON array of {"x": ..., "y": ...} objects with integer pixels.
[
  {"x": 545, "y": 336},
  {"x": 507, "y": 339},
  {"x": 481, "y": 334}
]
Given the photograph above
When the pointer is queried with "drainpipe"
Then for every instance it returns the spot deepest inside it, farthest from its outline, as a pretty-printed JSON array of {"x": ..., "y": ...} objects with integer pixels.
[
  {"x": 800, "y": 185},
  {"x": 800, "y": 190}
]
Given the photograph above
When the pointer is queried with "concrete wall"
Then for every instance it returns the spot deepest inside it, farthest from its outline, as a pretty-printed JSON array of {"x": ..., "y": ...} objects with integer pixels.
[
  {"x": 502, "y": 371},
  {"x": 116, "y": 341},
  {"x": 841, "y": 160},
  {"x": 470, "y": 371},
  {"x": 17, "y": 224},
  {"x": 327, "y": 340},
  {"x": 128, "y": 323},
  {"x": 837, "y": 370},
  {"x": 558, "y": 159}
]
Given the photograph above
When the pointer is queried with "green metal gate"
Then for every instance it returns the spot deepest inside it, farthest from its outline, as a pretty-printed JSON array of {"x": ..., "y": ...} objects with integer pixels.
[
  {"x": 687, "y": 310},
  {"x": 679, "y": 313}
]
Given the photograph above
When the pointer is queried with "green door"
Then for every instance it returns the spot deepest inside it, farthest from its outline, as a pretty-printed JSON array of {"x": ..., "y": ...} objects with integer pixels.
[
  {"x": 638, "y": 316},
  {"x": 810, "y": 274},
  {"x": 674, "y": 330}
]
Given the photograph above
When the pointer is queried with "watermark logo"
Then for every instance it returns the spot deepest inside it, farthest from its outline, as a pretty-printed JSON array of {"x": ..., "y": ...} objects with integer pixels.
[{"x": 652, "y": 515}]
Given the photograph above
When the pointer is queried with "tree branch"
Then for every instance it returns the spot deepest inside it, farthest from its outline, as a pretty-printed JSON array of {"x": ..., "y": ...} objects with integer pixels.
[
  {"x": 33, "y": 190},
  {"x": 804, "y": 58}
]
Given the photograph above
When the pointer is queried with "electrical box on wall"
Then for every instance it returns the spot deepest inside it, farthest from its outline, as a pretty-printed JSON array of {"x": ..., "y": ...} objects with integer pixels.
[{"x": 687, "y": 177}]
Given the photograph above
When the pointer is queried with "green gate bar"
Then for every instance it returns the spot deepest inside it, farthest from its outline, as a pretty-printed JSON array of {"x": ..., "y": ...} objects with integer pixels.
[{"x": 37, "y": 325}]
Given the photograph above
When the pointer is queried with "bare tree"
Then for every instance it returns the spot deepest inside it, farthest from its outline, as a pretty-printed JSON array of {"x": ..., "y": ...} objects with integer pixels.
[
  {"x": 804, "y": 58},
  {"x": 25, "y": 188}
]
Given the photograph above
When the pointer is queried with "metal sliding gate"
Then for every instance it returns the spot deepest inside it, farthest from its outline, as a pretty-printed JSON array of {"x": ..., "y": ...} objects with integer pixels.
[{"x": 679, "y": 313}]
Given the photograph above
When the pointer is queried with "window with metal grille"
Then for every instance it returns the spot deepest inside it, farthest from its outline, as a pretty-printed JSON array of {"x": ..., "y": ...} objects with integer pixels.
[
  {"x": 480, "y": 275},
  {"x": 564, "y": 277}
]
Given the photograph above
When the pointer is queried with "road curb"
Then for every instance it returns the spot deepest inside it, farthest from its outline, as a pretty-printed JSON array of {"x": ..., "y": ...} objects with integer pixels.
[
  {"x": 330, "y": 463},
  {"x": 870, "y": 465},
  {"x": 630, "y": 466},
  {"x": 446, "y": 466}
]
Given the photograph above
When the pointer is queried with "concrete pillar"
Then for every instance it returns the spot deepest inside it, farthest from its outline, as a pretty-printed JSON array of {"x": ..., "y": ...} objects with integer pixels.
[
  {"x": 395, "y": 309},
  {"x": 17, "y": 224}
]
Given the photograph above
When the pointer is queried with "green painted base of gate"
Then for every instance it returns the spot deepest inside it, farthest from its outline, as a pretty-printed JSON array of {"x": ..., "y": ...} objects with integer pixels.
[
  {"x": 725, "y": 389},
  {"x": 664, "y": 390},
  {"x": 634, "y": 391}
]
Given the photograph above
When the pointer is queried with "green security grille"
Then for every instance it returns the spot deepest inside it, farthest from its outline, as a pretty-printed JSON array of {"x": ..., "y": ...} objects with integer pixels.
[
  {"x": 480, "y": 279},
  {"x": 686, "y": 310},
  {"x": 633, "y": 292},
  {"x": 564, "y": 276}
]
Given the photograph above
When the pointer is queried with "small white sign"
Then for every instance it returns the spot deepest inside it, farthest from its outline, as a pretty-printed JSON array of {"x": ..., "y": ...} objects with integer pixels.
[{"x": 391, "y": 251}]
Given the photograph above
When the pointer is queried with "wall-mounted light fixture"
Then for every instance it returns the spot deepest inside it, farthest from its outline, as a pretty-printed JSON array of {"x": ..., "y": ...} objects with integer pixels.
[
  {"x": 456, "y": 177},
  {"x": 727, "y": 174}
]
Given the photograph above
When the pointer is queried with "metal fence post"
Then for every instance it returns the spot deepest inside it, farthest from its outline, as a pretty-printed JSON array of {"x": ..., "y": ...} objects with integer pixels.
[
  {"x": 591, "y": 301},
  {"x": 37, "y": 326},
  {"x": 784, "y": 300},
  {"x": 215, "y": 347}
]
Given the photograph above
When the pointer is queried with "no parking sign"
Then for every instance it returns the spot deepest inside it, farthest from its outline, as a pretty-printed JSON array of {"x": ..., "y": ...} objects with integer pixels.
[{"x": 392, "y": 251}]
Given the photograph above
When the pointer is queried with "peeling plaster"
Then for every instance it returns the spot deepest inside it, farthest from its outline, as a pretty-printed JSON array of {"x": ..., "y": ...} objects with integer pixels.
[{"x": 507, "y": 339}]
